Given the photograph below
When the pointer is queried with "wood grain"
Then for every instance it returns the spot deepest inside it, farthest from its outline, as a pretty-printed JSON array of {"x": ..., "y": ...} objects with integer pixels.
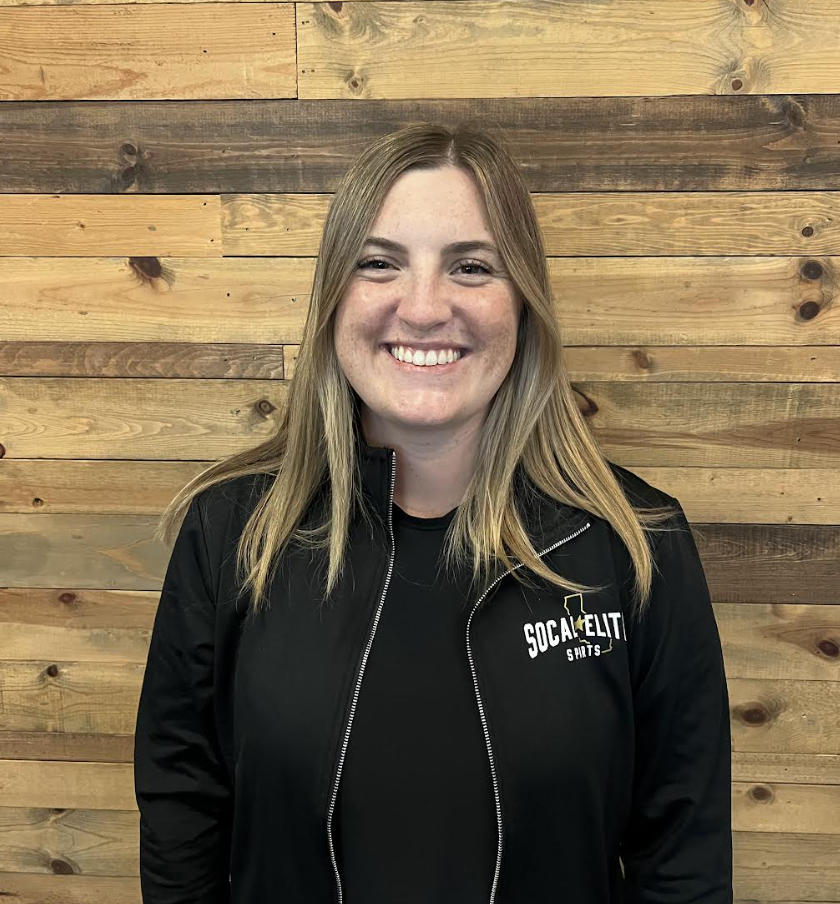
[
  {"x": 151, "y": 50},
  {"x": 583, "y": 144},
  {"x": 165, "y": 171},
  {"x": 145, "y": 486},
  {"x": 731, "y": 318},
  {"x": 517, "y": 49}
]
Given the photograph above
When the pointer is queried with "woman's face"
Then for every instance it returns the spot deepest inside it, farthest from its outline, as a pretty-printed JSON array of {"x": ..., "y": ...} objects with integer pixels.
[{"x": 427, "y": 297}]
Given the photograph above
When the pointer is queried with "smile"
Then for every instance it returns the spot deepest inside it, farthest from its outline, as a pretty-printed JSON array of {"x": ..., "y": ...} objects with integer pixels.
[{"x": 409, "y": 367}]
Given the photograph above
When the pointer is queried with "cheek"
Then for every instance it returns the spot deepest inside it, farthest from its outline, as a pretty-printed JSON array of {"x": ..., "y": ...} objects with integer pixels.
[{"x": 356, "y": 319}]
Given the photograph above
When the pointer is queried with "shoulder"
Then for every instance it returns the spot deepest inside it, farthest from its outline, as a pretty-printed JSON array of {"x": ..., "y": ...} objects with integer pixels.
[
  {"x": 643, "y": 494},
  {"x": 638, "y": 491},
  {"x": 225, "y": 506}
]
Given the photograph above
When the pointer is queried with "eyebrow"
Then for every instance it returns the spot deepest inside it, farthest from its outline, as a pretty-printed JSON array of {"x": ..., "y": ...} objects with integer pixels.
[{"x": 451, "y": 248}]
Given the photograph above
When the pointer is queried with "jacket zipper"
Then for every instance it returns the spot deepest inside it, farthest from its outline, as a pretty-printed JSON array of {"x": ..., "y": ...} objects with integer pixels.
[
  {"x": 481, "y": 705},
  {"x": 475, "y": 685},
  {"x": 359, "y": 679}
]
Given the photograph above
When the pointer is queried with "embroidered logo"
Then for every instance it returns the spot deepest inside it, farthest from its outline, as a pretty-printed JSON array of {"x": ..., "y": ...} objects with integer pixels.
[{"x": 574, "y": 629}]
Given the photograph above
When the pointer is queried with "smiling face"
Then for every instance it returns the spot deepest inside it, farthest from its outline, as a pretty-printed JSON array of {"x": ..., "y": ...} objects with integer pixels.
[{"x": 427, "y": 297}]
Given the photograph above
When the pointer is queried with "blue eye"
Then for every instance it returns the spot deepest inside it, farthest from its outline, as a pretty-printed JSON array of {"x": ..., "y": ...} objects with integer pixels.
[{"x": 376, "y": 260}]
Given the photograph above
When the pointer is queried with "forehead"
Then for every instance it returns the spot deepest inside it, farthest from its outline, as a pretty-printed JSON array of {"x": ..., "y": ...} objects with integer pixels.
[{"x": 438, "y": 208}]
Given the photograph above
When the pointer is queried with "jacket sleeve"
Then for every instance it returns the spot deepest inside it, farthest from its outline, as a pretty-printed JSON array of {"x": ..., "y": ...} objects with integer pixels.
[
  {"x": 181, "y": 784},
  {"x": 677, "y": 844}
]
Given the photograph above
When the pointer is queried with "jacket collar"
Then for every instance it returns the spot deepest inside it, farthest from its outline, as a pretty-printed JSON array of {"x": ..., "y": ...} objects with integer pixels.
[{"x": 546, "y": 520}]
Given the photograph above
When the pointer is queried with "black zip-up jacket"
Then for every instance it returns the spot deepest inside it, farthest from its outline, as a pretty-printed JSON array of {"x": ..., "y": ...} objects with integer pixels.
[{"x": 606, "y": 737}]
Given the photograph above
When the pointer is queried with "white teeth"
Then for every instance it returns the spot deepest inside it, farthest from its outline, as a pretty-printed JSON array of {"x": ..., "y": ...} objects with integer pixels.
[{"x": 424, "y": 359}]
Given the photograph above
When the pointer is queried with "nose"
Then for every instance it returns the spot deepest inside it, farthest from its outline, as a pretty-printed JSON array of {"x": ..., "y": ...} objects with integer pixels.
[{"x": 425, "y": 303}]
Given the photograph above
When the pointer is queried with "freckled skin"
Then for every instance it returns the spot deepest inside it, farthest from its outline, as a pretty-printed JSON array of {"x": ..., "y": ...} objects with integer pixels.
[{"x": 423, "y": 296}]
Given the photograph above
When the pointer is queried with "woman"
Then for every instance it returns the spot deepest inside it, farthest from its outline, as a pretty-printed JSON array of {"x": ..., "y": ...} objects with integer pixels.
[{"x": 431, "y": 723}]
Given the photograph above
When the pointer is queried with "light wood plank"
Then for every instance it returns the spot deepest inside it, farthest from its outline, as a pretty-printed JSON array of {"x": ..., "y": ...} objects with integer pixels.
[
  {"x": 624, "y": 224},
  {"x": 34, "y": 888},
  {"x": 152, "y": 51},
  {"x": 759, "y": 640},
  {"x": 756, "y": 806},
  {"x": 769, "y": 867},
  {"x": 49, "y": 840},
  {"x": 817, "y": 768},
  {"x": 574, "y": 225},
  {"x": 487, "y": 49},
  {"x": 85, "y": 626},
  {"x": 69, "y": 786},
  {"x": 759, "y": 319},
  {"x": 649, "y": 363},
  {"x": 661, "y": 424},
  {"x": 141, "y": 225},
  {"x": 137, "y": 419},
  {"x": 714, "y": 495},
  {"x": 768, "y": 716},
  {"x": 777, "y": 807},
  {"x": 778, "y": 641},
  {"x": 775, "y": 867},
  {"x": 76, "y": 697},
  {"x": 784, "y": 716}
]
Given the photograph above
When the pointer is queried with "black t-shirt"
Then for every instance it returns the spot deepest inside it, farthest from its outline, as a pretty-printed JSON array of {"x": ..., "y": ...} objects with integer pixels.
[{"x": 415, "y": 819}]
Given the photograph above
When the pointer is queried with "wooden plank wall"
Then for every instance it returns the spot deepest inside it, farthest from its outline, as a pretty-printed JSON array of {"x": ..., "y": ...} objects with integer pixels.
[{"x": 164, "y": 173}]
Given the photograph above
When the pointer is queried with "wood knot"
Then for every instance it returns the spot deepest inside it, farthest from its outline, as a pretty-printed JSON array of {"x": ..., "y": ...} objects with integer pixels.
[
  {"x": 753, "y": 715},
  {"x": 808, "y": 310},
  {"x": 148, "y": 267},
  {"x": 641, "y": 358},
  {"x": 761, "y": 793},
  {"x": 829, "y": 648},
  {"x": 52, "y": 670},
  {"x": 61, "y": 867},
  {"x": 812, "y": 270}
]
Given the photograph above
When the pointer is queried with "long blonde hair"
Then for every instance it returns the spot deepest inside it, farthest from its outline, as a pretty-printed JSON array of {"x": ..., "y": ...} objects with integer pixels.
[{"x": 533, "y": 427}]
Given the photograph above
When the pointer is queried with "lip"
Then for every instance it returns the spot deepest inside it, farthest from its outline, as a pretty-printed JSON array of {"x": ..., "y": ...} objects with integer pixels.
[{"x": 408, "y": 367}]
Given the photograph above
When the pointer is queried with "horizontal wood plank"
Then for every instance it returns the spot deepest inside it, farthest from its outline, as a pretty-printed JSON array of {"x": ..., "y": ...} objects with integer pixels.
[
  {"x": 802, "y": 768},
  {"x": 141, "y": 225},
  {"x": 759, "y": 640},
  {"x": 150, "y": 51},
  {"x": 787, "y": 425},
  {"x": 53, "y": 840},
  {"x": 68, "y": 746},
  {"x": 137, "y": 419},
  {"x": 769, "y": 867},
  {"x": 385, "y": 50},
  {"x": 615, "y": 143},
  {"x": 769, "y": 564},
  {"x": 778, "y": 716},
  {"x": 756, "y": 806},
  {"x": 761, "y": 319},
  {"x": 583, "y": 224},
  {"x": 773, "y": 867},
  {"x": 576, "y": 224},
  {"x": 36, "y": 888},
  {"x": 712, "y": 495}
]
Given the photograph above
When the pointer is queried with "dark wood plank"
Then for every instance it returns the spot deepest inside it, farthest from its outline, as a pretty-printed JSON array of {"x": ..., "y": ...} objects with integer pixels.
[
  {"x": 709, "y": 143},
  {"x": 66, "y": 745}
]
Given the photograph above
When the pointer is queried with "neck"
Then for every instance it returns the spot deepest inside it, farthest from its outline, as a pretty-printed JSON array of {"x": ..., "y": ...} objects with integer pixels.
[{"x": 434, "y": 467}]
